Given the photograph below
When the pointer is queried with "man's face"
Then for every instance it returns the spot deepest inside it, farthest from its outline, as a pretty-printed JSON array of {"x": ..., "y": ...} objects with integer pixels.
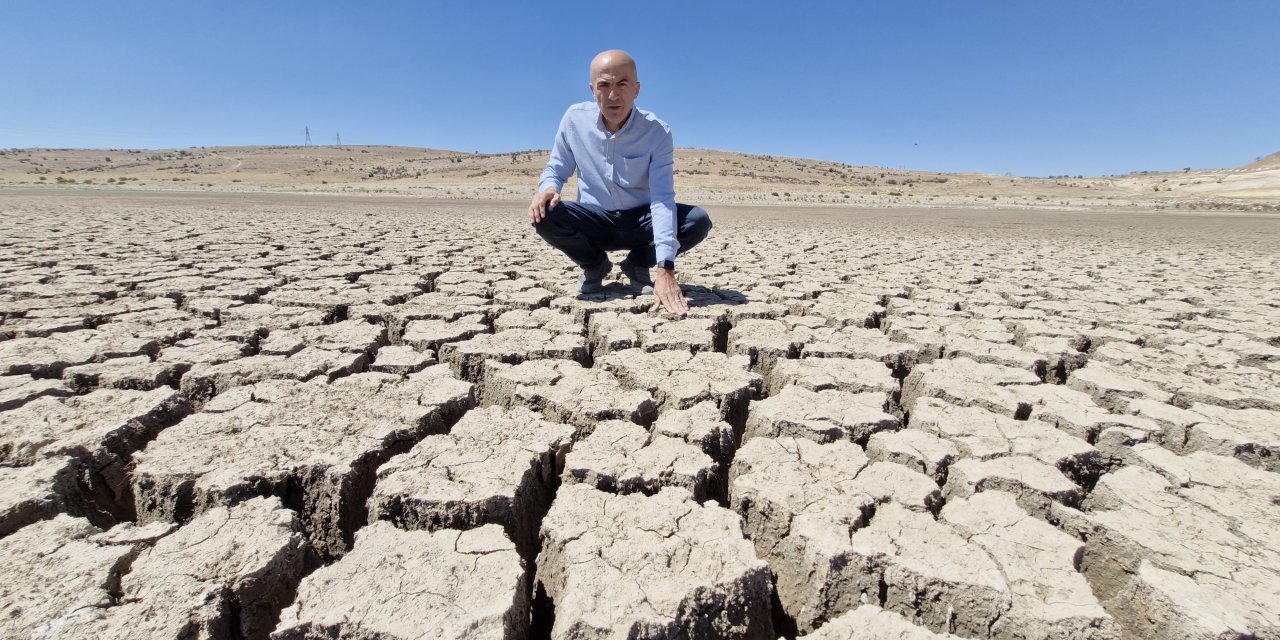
[{"x": 615, "y": 87}]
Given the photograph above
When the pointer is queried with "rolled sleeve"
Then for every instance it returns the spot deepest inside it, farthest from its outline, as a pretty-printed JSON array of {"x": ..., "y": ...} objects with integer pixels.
[{"x": 662, "y": 190}]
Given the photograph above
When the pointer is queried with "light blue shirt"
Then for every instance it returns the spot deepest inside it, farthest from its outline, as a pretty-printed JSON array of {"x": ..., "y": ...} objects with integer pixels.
[{"x": 622, "y": 170}]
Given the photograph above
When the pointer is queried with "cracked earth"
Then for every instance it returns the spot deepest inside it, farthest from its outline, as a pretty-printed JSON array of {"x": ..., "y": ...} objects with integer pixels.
[{"x": 274, "y": 416}]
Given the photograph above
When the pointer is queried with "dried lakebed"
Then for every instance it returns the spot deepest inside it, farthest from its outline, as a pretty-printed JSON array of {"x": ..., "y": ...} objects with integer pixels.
[{"x": 319, "y": 417}]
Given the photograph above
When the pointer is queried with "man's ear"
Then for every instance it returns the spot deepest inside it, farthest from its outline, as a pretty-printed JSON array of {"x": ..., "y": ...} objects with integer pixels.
[{"x": 637, "y": 88}]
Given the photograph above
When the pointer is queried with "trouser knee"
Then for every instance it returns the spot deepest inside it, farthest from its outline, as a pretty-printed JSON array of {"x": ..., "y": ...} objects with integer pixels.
[{"x": 696, "y": 227}]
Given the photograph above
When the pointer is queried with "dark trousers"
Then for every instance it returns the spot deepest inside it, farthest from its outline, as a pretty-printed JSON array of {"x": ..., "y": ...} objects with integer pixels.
[{"x": 584, "y": 232}]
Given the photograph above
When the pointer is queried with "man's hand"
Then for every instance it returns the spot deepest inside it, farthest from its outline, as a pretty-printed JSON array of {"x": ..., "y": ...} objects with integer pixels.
[
  {"x": 667, "y": 292},
  {"x": 542, "y": 200}
]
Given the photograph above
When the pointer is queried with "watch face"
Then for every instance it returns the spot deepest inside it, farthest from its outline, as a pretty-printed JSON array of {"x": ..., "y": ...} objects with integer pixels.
[{"x": 666, "y": 264}]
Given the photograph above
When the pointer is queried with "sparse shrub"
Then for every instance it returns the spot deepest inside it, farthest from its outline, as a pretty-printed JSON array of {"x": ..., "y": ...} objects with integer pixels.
[
  {"x": 775, "y": 193},
  {"x": 895, "y": 193}
]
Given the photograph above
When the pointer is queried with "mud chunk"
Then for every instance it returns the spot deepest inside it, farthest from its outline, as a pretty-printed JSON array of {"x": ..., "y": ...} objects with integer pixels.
[
  {"x": 794, "y": 494},
  {"x": 426, "y": 335},
  {"x": 1140, "y": 561},
  {"x": 996, "y": 353},
  {"x": 1111, "y": 388},
  {"x": 679, "y": 379},
  {"x": 914, "y": 449},
  {"x": 623, "y": 457},
  {"x": 869, "y": 622},
  {"x": 1050, "y": 597},
  {"x": 511, "y": 347},
  {"x": 1250, "y": 435},
  {"x": 315, "y": 445},
  {"x": 765, "y": 342},
  {"x": 565, "y": 391},
  {"x": 820, "y": 374},
  {"x": 967, "y": 383},
  {"x": 906, "y": 562},
  {"x": 53, "y": 570},
  {"x": 983, "y": 435},
  {"x": 541, "y": 318},
  {"x": 607, "y": 332},
  {"x": 34, "y": 492},
  {"x": 16, "y": 391},
  {"x": 702, "y": 426},
  {"x": 397, "y": 584},
  {"x": 227, "y": 573},
  {"x": 350, "y": 336},
  {"x": 870, "y": 344},
  {"x": 821, "y": 416},
  {"x": 658, "y": 566},
  {"x": 401, "y": 360},
  {"x": 47, "y": 357},
  {"x": 496, "y": 466},
  {"x": 96, "y": 434},
  {"x": 204, "y": 381},
  {"x": 137, "y": 372}
]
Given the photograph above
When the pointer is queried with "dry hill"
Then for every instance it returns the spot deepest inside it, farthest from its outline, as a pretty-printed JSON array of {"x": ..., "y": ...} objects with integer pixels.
[{"x": 701, "y": 175}]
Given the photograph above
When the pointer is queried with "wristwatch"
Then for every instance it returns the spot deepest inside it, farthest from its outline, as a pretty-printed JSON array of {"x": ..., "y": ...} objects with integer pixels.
[{"x": 669, "y": 265}]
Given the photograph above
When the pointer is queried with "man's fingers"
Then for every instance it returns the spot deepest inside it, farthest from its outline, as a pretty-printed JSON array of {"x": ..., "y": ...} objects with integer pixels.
[{"x": 555, "y": 199}]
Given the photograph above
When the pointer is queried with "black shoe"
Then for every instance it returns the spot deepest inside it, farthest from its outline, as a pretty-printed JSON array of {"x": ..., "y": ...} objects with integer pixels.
[
  {"x": 593, "y": 277},
  {"x": 641, "y": 283}
]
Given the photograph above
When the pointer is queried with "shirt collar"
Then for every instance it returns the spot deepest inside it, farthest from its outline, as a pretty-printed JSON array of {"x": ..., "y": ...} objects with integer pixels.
[{"x": 635, "y": 112}]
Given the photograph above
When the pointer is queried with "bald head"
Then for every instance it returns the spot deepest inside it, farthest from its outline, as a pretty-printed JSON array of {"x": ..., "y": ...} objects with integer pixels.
[
  {"x": 615, "y": 86},
  {"x": 613, "y": 60}
]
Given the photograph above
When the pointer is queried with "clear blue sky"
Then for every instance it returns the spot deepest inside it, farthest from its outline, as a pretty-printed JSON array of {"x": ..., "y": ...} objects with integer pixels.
[{"x": 1027, "y": 87}]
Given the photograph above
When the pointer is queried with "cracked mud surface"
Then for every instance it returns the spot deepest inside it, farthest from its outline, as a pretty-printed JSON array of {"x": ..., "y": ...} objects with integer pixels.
[{"x": 309, "y": 416}]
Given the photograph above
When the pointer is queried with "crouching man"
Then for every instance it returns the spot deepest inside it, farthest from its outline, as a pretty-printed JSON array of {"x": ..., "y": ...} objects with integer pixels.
[{"x": 626, "y": 190}]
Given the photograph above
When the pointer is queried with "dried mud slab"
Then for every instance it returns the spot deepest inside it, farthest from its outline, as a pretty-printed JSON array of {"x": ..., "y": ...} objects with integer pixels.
[
  {"x": 1250, "y": 435},
  {"x": 869, "y": 622},
  {"x": 657, "y": 566},
  {"x": 351, "y": 336},
  {"x": 965, "y": 382},
  {"x": 820, "y": 374},
  {"x": 799, "y": 500},
  {"x": 1186, "y": 546},
  {"x": 425, "y": 335},
  {"x": 205, "y": 381},
  {"x": 512, "y": 346},
  {"x": 16, "y": 391},
  {"x": 565, "y": 391},
  {"x": 35, "y": 492},
  {"x": 401, "y": 360},
  {"x": 609, "y": 332},
  {"x": 225, "y": 574},
  {"x": 981, "y": 435},
  {"x": 94, "y": 437},
  {"x": 821, "y": 416},
  {"x": 396, "y": 584},
  {"x": 137, "y": 372},
  {"x": 52, "y": 571},
  {"x": 701, "y": 426},
  {"x": 679, "y": 379},
  {"x": 47, "y": 357},
  {"x": 1050, "y": 598},
  {"x": 496, "y": 466},
  {"x": 623, "y": 457},
  {"x": 315, "y": 445}
]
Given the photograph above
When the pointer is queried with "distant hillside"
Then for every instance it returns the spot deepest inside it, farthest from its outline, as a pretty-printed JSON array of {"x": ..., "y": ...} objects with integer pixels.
[
  {"x": 1270, "y": 162},
  {"x": 702, "y": 175}
]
